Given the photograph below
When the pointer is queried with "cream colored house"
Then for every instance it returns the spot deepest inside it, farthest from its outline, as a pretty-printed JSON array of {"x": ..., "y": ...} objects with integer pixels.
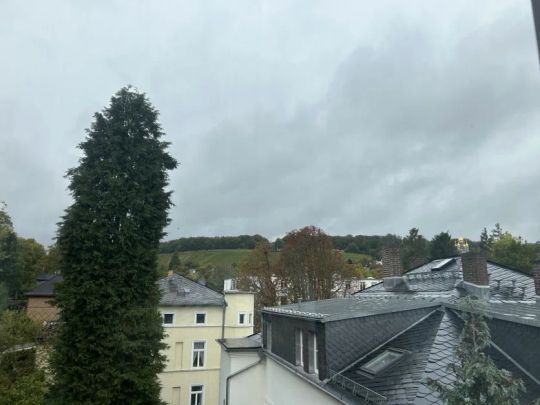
[{"x": 194, "y": 317}]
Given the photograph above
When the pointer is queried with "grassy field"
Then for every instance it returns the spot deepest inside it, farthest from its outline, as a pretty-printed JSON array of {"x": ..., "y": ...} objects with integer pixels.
[
  {"x": 214, "y": 258},
  {"x": 224, "y": 258}
]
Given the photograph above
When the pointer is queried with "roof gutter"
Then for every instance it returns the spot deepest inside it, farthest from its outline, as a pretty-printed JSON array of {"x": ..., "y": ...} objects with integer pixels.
[{"x": 228, "y": 383}]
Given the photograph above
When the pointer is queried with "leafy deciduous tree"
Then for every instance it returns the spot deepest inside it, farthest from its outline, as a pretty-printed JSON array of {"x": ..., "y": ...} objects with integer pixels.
[
  {"x": 260, "y": 274},
  {"x": 109, "y": 342},
  {"x": 512, "y": 251},
  {"x": 311, "y": 267},
  {"x": 8, "y": 253}
]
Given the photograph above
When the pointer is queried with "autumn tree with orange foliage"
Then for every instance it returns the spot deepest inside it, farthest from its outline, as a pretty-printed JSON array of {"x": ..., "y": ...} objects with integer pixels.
[
  {"x": 310, "y": 266},
  {"x": 260, "y": 273}
]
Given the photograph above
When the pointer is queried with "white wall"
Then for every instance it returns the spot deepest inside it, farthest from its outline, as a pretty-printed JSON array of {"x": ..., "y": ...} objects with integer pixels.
[{"x": 268, "y": 383}]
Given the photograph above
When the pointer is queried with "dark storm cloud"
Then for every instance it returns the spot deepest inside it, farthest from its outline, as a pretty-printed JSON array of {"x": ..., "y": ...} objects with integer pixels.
[{"x": 354, "y": 118}]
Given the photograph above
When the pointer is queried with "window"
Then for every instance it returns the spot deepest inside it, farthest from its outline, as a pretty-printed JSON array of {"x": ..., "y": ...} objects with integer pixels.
[
  {"x": 199, "y": 354},
  {"x": 196, "y": 395},
  {"x": 242, "y": 318},
  {"x": 312, "y": 344},
  {"x": 382, "y": 361},
  {"x": 168, "y": 319},
  {"x": 267, "y": 330},
  {"x": 200, "y": 318},
  {"x": 299, "y": 348},
  {"x": 250, "y": 318}
]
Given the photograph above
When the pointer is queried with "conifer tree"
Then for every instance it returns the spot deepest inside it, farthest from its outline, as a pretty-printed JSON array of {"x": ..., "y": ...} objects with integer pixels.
[
  {"x": 478, "y": 380},
  {"x": 110, "y": 337},
  {"x": 175, "y": 263}
]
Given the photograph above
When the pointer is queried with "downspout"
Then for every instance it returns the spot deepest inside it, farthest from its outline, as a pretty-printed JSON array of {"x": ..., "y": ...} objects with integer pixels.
[
  {"x": 228, "y": 383},
  {"x": 223, "y": 319}
]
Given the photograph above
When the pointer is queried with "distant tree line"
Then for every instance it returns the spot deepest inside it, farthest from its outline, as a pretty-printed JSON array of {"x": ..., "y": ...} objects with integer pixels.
[
  {"x": 211, "y": 242},
  {"x": 21, "y": 260}
]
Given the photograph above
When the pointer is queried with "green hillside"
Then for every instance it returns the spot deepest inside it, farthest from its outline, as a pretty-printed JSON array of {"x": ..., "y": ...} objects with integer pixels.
[{"x": 225, "y": 258}]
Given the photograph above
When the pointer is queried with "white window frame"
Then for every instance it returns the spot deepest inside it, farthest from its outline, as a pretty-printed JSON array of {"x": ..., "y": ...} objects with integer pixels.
[
  {"x": 205, "y": 350},
  {"x": 205, "y": 318},
  {"x": 313, "y": 362},
  {"x": 250, "y": 318},
  {"x": 245, "y": 318},
  {"x": 201, "y": 392},
  {"x": 299, "y": 347},
  {"x": 163, "y": 318}
]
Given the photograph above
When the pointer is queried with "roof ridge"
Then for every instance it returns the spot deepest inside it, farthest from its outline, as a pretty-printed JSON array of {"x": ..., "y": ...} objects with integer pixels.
[{"x": 192, "y": 282}]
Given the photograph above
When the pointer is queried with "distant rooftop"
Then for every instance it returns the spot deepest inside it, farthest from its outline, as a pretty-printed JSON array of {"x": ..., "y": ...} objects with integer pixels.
[
  {"x": 177, "y": 290},
  {"x": 252, "y": 342},
  {"x": 512, "y": 295},
  {"x": 45, "y": 286}
]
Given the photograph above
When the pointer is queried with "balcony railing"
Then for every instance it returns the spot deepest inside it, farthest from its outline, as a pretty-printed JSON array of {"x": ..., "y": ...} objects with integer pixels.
[{"x": 358, "y": 390}]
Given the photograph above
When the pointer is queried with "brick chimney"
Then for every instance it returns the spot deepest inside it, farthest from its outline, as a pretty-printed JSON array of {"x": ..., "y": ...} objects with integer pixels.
[
  {"x": 475, "y": 274},
  {"x": 393, "y": 270},
  {"x": 391, "y": 262}
]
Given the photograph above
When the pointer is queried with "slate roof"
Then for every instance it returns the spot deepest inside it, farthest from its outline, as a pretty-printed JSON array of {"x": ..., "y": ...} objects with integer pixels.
[
  {"x": 433, "y": 288},
  {"x": 177, "y": 290},
  {"x": 430, "y": 346},
  {"x": 505, "y": 283},
  {"x": 45, "y": 287},
  {"x": 354, "y": 307},
  {"x": 251, "y": 342}
]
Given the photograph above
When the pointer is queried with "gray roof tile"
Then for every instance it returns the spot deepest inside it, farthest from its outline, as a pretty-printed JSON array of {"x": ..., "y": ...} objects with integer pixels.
[{"x": 177, "y": 290}]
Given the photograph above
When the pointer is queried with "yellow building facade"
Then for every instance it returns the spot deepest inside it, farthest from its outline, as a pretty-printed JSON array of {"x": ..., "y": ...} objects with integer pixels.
[{"x": 194, "y": 317}]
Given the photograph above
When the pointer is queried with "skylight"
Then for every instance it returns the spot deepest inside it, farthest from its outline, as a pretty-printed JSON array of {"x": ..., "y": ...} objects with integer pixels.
[
  {"x": 382, "y": 361},
  {"x": 443, "y": 263}
]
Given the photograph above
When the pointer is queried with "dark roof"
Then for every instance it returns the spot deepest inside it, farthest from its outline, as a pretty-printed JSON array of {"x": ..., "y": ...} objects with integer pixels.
[
  {"x": 501, "y": 280},
  {"x": 430, "y": 342},
  {"x": 44, "y": 276},
  {"x": 429, "y": 348},
  {"x": 45, "y": 288},
  {"x": 249, "y": 343},
  {"x": 354, "y": 307},
  {"x": 177, "y": 290}
]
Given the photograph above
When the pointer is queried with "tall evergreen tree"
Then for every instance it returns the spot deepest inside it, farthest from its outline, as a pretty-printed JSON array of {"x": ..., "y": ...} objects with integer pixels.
[
  {"x": 442, "y": 245},
  {"x": 108, "y": 345},
  {"x": 415, "y": 246},
  {"x": 175, "y": 263},
  {"x": 485, "y": 241}
]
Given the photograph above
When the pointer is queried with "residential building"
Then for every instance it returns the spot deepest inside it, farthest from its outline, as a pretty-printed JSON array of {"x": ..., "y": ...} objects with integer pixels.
[
  {"x": 380, "y": 345},
  {"x": 194, "y": 318},
  {"x": 40, "y": 304},
  {"x": 342, "y": 288}
]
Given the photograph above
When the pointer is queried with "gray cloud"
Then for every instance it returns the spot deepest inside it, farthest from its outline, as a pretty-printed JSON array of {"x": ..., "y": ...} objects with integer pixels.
[{"x": 355, "y": 118}]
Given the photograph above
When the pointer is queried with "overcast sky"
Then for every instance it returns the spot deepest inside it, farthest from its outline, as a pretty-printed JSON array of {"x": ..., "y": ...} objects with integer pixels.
[{"x": 359, "y": 117}]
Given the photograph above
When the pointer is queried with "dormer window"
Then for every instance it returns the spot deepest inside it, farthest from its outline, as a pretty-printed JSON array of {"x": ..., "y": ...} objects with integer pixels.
[{"x": 382, "y": 361}]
